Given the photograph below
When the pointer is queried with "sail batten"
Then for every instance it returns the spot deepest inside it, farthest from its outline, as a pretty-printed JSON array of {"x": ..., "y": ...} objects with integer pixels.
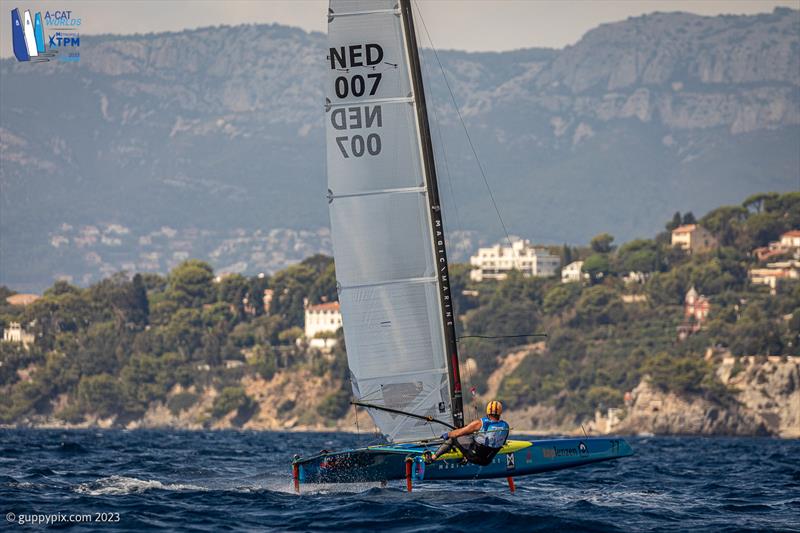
[
  {"x": 378, "y": 191},
  {"x": 387, "y": 239}
]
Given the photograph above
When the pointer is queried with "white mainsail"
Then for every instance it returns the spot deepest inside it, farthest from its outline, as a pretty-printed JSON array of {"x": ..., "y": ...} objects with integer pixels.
[{"x": 383, "y": 241}]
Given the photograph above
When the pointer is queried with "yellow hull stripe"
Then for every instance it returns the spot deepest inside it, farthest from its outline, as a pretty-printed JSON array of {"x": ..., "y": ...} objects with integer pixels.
[{"x": 510, "y": 446}]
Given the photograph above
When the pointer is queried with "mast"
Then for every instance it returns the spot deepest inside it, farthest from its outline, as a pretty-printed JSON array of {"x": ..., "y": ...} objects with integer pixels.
[{"x": 445, "y": 299}]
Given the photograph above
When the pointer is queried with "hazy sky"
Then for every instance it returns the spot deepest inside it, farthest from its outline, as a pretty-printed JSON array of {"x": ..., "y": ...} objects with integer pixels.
[{"x": 460, "y": 24}]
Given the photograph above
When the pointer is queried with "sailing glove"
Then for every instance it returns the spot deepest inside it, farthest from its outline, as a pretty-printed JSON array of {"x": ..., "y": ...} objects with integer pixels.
[{"x": 446, "y": 435}]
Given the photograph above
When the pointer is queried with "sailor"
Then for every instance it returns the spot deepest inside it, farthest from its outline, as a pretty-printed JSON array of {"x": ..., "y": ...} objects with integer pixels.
[{"x": 479, "y": 441}]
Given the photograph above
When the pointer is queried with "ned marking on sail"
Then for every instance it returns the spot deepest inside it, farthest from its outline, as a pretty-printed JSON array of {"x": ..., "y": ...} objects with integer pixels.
[{"x": 345, "y": 58}]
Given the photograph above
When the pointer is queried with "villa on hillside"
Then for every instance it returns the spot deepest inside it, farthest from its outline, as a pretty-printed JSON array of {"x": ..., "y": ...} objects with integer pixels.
[
  {"x": 321, "y": 322},
  {"x": 695, "y": 311},
  {"x": 789, "y": 243},
  {"x": 791, "y": 239},
  {"x": 693, "y": 238},
  {"x": 22, "y": 299},
  {"x": 773, "y": 273},
  {"x": 497, "y": 261},
  {"x": 573, "y": 272},
  {"x": 15, "y": 333},
  {"x": 696, "y": 306}
]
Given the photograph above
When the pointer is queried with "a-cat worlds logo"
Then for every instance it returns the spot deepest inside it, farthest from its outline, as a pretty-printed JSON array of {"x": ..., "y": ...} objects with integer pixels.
[{"x": 32, "y": 43}]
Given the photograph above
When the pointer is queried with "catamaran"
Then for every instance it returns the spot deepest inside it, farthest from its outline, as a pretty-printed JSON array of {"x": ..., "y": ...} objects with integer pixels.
[{"x": 391, "y": 266}]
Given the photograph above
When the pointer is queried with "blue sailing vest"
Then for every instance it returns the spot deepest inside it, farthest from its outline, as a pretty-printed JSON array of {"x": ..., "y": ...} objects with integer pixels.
[{"x": 493, "y": 434}]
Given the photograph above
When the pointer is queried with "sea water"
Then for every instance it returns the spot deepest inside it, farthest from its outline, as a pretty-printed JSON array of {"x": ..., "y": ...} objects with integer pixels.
[{"x": 111, "y": 480}]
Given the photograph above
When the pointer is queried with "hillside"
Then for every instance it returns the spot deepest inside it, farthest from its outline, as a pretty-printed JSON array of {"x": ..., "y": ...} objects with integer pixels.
[
  {"x": 209, "y": 143},
  {"x": 193, "y": 350}
]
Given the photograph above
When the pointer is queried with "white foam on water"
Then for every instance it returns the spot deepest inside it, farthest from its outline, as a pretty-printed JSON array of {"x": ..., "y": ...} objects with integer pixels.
[
  {"x": 121, "y": 485},
  {"x": 322, "y": 488}
]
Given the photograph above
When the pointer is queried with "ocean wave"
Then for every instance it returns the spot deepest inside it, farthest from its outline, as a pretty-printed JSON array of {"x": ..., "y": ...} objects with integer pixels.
[
  {"x": 121, "y": 485},
  {"x": 71, "y": 447}
]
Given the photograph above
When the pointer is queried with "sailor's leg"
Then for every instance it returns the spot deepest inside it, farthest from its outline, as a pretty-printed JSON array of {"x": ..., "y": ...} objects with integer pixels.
[
  {"x": 443, "y": 449},
  {"x": 466, "y": 445}
]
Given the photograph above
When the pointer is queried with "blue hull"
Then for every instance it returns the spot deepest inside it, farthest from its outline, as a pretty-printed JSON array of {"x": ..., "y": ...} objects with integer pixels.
[{"x": 383, "y": 463}]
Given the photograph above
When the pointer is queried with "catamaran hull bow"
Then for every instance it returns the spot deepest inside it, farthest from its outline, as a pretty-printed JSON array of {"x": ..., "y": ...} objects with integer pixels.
[{"x": 383, "y": 463}]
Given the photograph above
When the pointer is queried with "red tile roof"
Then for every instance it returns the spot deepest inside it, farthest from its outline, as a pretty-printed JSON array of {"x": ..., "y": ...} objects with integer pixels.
[
  {"x": 685, "y": 228},
  {"x": 22, "y": 299},
  {"x": 330, "y": 306}
]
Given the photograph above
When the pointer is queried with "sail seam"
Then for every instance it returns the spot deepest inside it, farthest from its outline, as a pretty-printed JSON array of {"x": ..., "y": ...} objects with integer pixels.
[
  {"x": 393, "y": 100},
  {"x": 399, "y": 190},
  {"x": 409, "y": 281},
  {"x": 411, "y": 373},
  {"x": 369, "y": 12}
]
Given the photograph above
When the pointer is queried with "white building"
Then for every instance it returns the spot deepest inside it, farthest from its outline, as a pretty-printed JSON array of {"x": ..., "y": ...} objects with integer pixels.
[
  {"x": 495, "y": 262},
  {"x": 15, "y": 333},
  {"x": 693, "y": 238},
  {"x": 572, "y": 272},
  {"x": 791, "y": 239},
  {"x": 774, "y": 273},
  {"x": 322, "y": 319}
]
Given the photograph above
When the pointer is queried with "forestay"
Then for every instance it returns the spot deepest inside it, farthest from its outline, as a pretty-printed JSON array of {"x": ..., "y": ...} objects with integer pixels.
[{"x": 383, "y": 244}]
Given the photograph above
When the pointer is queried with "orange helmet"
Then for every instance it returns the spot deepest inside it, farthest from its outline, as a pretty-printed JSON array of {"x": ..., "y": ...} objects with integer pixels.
[{"x": 494, "y": 408}]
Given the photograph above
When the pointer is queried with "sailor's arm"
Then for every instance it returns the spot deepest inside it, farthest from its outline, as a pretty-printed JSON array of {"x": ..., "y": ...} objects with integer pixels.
[{"x": 472, "y": 427}]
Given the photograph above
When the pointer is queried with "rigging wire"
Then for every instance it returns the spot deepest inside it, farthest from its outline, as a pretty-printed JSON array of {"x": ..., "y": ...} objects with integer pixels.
[
  {"x": 358, "y": 430},
  {"x": 442, "y": 150},
  {"x": 466, "y": 132},
  {"x": 459, "y": 224}
]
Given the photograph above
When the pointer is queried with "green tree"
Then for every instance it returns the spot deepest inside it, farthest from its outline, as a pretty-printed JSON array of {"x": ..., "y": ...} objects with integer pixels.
[
  {"x": 255, "y": 293},
  {"x": 229, "y": 399},
  {"x": 755, "y": 334},
  {"x": 142, "y": 382},
  {"x": 761, "y": 229},
  {"x": 668, "y": 288},
  {"x": 640, "y": 255},
  {"x": 599, "y": 305},
  {"x": 725, "y": 223},
  {"x": 191, "y": 284},
  {"x": 597, "y": 267},
  {"x": 99, "y": 394},
  {"x": 334, "y": 405},
  {"x": 756, "y": 201},
  {"x": 675, "y": 222},
  {"x": 139, "y": 304},
  {"x": 290, "y": 288},
  {"x": 323, "y": 289},
  {"x": 566, "y": 255},
  {"x": 265, "y": 363},
  {"x": 184, "y": 331},
  {"x": 601, "y": 244},
  {"x": 232, "y": 290},
  {"x": 677, "y": 374},
  {"x": 561, "y": 297}
]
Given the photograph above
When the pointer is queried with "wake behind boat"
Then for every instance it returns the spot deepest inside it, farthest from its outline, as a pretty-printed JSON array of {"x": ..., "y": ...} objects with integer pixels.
[{"x": 391, "y": 266}]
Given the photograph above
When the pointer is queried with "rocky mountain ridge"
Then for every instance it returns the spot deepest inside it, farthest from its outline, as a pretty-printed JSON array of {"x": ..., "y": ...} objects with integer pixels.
[{"x": 219, "y": 131}]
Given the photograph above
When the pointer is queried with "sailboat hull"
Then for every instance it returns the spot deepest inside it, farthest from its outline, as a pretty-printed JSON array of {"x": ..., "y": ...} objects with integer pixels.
[{"x": 383, "y": 463}]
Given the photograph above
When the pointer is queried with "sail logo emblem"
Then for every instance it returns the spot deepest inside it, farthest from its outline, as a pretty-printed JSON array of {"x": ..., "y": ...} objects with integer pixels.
[
  {"x": 30, "y": 43},
  {"x": 510, "y": 462}
]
